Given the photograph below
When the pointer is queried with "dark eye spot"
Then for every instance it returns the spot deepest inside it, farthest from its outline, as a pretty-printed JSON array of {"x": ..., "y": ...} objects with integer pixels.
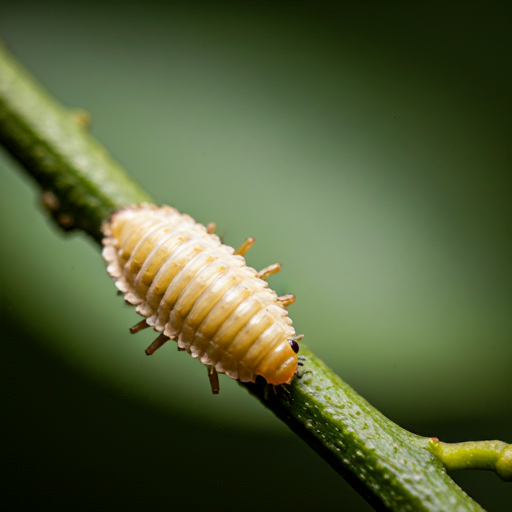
[{"x": 294, "y": 345}]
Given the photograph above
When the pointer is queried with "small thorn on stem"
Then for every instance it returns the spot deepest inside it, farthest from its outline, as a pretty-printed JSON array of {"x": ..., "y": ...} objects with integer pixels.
[
  {"x": 81, "y": 117},
  {"x": 287, "y": 299},
  {"x": 139, "y": 327},
  {"x": 268, "y": 271},
  {"x": 210, "y": 229},
  {"x": 242, "y": 250},
  {"x": 156, "y": 344}
]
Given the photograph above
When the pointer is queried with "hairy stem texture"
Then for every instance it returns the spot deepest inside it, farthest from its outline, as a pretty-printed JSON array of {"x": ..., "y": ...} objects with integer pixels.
[{"x": 82, "y": 185}]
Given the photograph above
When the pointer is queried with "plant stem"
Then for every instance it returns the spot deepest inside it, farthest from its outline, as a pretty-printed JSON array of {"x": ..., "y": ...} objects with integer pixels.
[
  {"x": 490, "y": 455},
  {"x": 82, "y": 184},
  {"x": 391, "y": 468}
]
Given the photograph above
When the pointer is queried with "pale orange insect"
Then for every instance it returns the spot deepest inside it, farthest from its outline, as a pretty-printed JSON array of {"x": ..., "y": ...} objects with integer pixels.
[{"x": 195, "y": 290}]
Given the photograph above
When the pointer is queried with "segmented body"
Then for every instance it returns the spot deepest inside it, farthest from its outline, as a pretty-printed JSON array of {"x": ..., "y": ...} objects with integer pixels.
[{"x": 194, "y": 289}]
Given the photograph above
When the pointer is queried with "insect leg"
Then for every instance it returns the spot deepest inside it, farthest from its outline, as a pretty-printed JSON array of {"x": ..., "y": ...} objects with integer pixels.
[
  {"x": 300, "y": 363},
  {"x": 210, "y": 229},
  {"x": 156, "y": 344},
  {"x": 268, "y": 271},
  {"x": 139, "y": 327},
  {"x": 285, "y": 389},
  {"x": 214, "y": 379},
  {"x": 245, "y": 246},
  {"x": 287, "y": 299}
]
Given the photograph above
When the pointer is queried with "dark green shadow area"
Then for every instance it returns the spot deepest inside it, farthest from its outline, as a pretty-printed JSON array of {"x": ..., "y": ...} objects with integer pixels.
[{"x": 72, "y": 445}]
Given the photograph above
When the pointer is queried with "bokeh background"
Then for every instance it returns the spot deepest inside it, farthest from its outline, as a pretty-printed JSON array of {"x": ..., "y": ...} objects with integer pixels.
[{"x": 365, "y": 145}]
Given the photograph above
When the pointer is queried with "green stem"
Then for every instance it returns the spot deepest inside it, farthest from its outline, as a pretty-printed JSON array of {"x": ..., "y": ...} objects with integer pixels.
[
  {"x": 490, "y": 455},
  {"x": 82, "y": 183},
  {"x": 391, "y": 468}
]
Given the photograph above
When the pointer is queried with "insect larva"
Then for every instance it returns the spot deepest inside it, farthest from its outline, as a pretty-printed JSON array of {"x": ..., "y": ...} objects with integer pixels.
[{"x": 195, "y": 290}]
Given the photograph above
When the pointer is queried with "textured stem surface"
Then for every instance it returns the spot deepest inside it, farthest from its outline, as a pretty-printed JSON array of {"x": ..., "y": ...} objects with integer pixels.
[{"x": 392, "y": 468}]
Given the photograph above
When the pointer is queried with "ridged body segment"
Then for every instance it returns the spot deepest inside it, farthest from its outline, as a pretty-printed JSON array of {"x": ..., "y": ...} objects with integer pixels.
[{"x": 192, "y": 288}]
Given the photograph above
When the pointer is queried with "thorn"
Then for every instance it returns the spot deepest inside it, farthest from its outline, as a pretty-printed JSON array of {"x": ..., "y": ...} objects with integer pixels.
[
  {"x": 139, "y": 327},
  {"x": 245, "y": 246},
  {"x": 50, "y": 200},
  {"x": 268, "y": 271},
  {"x": 156, "y": 344},
  {"x": 287, "y": 299},
  {"x": 214, "y": 379},
  {"x": 65, "y": 221},
  {"x": 81, "y": 117},
  {"x": 210, "y": 228}
]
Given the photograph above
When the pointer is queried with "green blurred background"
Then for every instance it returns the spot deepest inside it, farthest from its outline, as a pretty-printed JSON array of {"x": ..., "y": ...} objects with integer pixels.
[{"x": 365, "y": 145}]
